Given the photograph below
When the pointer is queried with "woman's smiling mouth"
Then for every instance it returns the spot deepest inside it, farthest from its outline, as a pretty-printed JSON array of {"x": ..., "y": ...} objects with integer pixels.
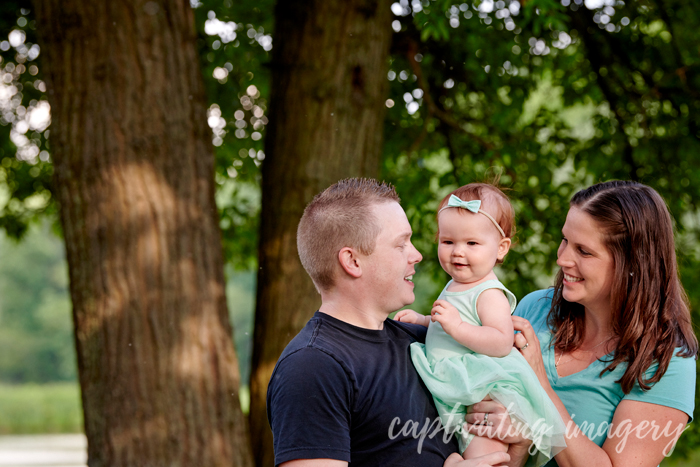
[{"x": 569, "y": 278}]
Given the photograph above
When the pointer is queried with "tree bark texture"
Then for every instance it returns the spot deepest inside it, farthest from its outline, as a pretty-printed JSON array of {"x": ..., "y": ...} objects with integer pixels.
[
  {"x": 134, "y": 181},
  {"x": 327, "y": 108}
]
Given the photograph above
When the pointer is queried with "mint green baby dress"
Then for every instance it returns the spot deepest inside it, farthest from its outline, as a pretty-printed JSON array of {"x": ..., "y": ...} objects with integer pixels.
[{"x": 457, "y": 377}]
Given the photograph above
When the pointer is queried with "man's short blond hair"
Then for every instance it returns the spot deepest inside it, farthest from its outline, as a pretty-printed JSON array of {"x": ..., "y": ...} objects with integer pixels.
[{"x": 338, "y": 217}]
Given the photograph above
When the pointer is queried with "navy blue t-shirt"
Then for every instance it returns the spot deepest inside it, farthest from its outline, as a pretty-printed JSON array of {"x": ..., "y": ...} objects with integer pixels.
[{"x": 348, "y": 393}]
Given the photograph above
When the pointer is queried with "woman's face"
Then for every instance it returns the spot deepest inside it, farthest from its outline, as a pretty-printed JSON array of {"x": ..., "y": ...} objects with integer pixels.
[{"x": 585, "y": 261}]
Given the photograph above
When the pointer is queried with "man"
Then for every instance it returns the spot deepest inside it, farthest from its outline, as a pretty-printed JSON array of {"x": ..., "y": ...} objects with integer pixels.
[{"x": 344, "y": 390}]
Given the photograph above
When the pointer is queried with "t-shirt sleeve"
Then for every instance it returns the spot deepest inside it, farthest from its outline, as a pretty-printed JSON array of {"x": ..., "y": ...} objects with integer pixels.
[
  {"x": 416, "y": 331},
  {"x": 309, "y": 407},
  {"x": 535, "y": 307},
  {"x": 675, "y": 389}
]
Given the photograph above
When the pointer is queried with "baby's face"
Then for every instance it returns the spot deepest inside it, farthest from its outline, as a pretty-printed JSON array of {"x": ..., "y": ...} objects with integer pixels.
[{"x": 468, "y": 245}]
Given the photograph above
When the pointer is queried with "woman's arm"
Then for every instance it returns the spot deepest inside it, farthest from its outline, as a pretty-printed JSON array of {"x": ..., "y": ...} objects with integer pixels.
[
  {"x": 632, "y": 438},
  {"x": 493, "y": 338},
  {"x": 643, "y": 433},
  {"x": 499, "y": 427}
]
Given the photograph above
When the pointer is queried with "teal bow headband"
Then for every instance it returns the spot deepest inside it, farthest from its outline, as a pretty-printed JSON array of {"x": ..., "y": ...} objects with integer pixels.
[{"x": 473, "y": 206}]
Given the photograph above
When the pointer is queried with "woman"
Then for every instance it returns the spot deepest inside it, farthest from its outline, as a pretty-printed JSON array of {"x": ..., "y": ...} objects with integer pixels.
[{"x": 612, "y": 344}]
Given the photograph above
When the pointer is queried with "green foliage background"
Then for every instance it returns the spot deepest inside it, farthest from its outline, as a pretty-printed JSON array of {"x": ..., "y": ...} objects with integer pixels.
[{"x": 550, "y": 96}]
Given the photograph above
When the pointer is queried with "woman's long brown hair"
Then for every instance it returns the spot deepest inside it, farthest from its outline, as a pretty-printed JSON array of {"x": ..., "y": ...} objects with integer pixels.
[{"x": 651, "y": 314}]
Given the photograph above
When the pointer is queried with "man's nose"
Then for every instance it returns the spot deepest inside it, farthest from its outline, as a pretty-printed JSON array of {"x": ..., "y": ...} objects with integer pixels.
[{"x": 415, "y": 256}]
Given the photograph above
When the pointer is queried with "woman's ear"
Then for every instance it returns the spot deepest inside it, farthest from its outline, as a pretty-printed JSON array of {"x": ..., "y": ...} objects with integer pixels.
[
  {"x": 349, "y": 261},
  {"x": 503, "y": 247}
]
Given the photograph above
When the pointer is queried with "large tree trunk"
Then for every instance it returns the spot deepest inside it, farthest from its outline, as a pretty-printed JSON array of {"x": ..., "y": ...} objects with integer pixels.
[
  {"x": 330, "y": 61},
  {"x": 134, "y": 181}
]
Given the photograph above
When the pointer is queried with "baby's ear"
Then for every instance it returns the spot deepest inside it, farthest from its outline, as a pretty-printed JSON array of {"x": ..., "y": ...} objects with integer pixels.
[{"x": 503, "y": 247}]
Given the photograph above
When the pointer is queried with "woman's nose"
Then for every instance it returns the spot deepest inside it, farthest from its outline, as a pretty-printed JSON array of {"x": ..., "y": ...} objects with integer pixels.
[{"x": 564, "y": 257}]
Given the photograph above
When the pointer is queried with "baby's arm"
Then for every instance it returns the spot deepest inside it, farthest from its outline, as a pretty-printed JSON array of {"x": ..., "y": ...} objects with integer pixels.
[
  {"x": 410, "y": 316},
  {"x": 494, "y": 338}
]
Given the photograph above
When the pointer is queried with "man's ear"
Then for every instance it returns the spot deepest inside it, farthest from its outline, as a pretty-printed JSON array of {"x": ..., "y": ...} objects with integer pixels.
[
  {"x": 503, "y": 247},
  {"x": 349, "y": 261}
]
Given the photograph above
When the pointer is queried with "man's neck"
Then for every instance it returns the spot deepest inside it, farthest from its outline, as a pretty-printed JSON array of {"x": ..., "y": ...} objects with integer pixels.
[{"x": 353, "y": 313}]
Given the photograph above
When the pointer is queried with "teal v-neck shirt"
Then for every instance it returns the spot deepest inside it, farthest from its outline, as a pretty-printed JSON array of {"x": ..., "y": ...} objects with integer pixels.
[{"x": 591, "y": 399}]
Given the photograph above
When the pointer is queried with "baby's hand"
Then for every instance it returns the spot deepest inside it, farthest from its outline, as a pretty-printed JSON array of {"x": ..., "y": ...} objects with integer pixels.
[
  {"x": 447, "y": 315},
  {"x": 410, "y": 316}
]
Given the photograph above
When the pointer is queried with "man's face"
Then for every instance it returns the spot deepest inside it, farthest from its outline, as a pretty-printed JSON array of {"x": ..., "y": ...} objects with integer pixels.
[{"x": 390, "y": 267}]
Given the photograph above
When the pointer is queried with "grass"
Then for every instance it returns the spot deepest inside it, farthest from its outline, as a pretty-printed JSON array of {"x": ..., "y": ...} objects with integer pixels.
[
  {"x": 50, "y": 408},
  {"x": 692, "y": 461},
  {"x": 40, "y": 408}
]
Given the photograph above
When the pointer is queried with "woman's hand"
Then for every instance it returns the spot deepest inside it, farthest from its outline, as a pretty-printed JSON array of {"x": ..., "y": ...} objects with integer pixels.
[
  {"x": 410, "y": 316},
  {"x": 528, "y": 345}
]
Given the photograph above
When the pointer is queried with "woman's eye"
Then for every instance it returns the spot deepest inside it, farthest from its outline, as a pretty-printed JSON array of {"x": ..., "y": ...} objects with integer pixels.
[{"x": 583, "y": 252}]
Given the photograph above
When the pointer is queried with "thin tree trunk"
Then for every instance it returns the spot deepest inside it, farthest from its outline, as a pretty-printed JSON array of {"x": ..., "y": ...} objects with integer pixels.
[
  {"x": 327, "y": 109},
  {"x": 134, "y": 181}
]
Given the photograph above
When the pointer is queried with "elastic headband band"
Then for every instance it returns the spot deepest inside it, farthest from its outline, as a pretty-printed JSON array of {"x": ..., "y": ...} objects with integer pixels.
[{"x": 473, "y": 206}]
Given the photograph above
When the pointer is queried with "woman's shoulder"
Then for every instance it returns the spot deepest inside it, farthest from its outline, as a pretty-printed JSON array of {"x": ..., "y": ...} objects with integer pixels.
[
  {"x": 544, "y": 295},
  {"x": 535, "y": 307},
  {"x": 676, "y": 388}
]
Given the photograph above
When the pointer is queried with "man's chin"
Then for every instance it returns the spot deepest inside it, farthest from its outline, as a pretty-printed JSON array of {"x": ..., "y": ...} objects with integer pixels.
[{"x": 410, "y": 299}]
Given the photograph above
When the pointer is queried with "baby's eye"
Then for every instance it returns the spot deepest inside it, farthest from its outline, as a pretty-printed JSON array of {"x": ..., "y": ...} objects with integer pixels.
[
  {"x": 472, "y": 243},
  {"x": 447, "y": 242}
]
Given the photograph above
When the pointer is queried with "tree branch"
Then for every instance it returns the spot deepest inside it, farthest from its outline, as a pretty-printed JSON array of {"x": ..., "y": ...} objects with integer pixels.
[
  {"x": 433, "y": 109},
  {"x": 582, "y": 21}
]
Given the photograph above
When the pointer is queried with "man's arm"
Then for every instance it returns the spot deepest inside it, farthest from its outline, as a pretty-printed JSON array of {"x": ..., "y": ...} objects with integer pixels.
[
  {"x": 314, "y": 463},
  {"x": 497, "y": 459},
  {"x": 309, "y": 399}
]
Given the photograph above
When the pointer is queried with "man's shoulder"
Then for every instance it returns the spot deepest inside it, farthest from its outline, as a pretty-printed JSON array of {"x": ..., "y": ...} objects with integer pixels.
[
  {"x": 304, "y": 338},
  {"x": 336, "y": 337},
  {"x": 326, "y": 342},
  {"x": 413, "y": 331},
  {"x": 311, "y": 345}
]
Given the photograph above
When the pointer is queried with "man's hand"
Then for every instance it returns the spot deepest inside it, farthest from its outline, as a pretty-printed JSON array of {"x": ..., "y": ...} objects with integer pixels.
[
  {"x": 410, "y": 316},
  {"x": 447, "y": 315},
  {"x": 493, "y": 459},
  {"x": 500, "y": 424}
]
